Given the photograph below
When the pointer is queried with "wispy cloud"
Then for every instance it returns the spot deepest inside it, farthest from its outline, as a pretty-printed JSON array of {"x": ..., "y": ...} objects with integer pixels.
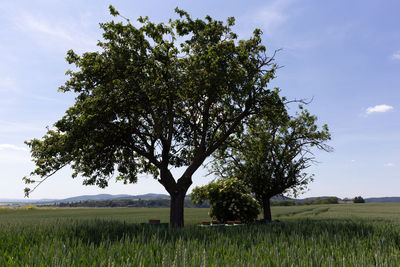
[
  {"x": 12, "y": 147},
  {"x": 378, "y": 109},
  {"x": 396, "y": 55},
  {"x": 45, "y": 27},
  {"x": 389, "y": 164},
  {"x": 307, "y": 40},
  {"x": 56, "y": 33},
  {"x": 272, "y": 15}
]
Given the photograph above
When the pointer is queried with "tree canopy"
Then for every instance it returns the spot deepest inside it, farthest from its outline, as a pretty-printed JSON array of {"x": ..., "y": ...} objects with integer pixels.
[
  {"x": 156, "y": 97},
  {"x": 272, "y": 154}
]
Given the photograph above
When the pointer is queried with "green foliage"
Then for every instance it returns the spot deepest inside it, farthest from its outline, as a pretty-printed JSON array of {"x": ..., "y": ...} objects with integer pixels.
[
  {"x": 113, "y": 11},
  {"x": 358, "y": 199},
  {"x": 229, "y": 199},
  {"x": 273, "y": 152}
]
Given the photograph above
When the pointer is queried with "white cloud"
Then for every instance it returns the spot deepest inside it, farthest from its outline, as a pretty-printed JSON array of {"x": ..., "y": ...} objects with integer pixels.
[
  {"x": 396, "y": 55},
  {"x": 12, "y": 147},
  {"x": 273, "y": 15},
  {"x": 44, "y": 27},
  {"x": 389, "y": 164},
  {"x": 378, "y": 109},
  {"x": 56, "y": 33}
]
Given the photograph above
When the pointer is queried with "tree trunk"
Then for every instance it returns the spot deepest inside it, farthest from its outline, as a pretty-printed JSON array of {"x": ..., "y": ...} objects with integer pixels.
[
  {"x": 177, "y": 191},
  {"x": 176, "y": 209},
  {"x": 267, "y": 209}
]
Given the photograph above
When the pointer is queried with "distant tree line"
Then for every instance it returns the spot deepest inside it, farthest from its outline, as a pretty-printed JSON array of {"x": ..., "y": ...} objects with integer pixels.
[
  {"x": 161, "y": 203},
  {"x": 134, "y": 203},
  {"x": 358, "y": 199},
  {"x": 328, "y": 200}
]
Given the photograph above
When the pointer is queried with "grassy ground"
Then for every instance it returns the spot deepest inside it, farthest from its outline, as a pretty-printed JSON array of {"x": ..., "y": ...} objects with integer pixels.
[
  {"x": 128, "y": 215},
  {"x": 372, "y": 212},
  {"x": 320, "y": 235}
]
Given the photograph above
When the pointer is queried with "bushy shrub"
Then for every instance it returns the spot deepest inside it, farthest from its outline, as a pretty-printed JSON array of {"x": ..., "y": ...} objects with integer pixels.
[{"x": 229, "y": 200}]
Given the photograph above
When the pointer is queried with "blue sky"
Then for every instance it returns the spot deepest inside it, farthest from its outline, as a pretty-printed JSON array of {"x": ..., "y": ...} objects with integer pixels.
[{"x": 343, "y": 54}]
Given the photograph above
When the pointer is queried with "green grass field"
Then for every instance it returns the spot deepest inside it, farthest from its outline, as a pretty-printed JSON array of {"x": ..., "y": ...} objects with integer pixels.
[{"x": 320, "y": 235}]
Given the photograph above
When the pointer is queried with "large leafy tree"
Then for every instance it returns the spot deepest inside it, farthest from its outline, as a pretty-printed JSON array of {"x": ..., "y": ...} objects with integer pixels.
[
  {"x": 155, "y": 97},
  {"x": 272, "y": 154}
]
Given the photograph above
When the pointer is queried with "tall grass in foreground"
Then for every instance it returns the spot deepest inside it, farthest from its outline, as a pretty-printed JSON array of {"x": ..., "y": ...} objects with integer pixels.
[{"x": 104, "y": 242}]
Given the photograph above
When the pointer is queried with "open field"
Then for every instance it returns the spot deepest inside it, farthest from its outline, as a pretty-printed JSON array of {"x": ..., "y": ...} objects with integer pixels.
[{"x": 317, "y": 235}]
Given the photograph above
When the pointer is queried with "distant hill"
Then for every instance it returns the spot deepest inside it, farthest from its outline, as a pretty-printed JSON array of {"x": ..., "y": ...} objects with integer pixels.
[
  {"x": 149, "y": 196},
  {"x": 382, "y": 200},
  {"x": 280, "y": 198},
  {"x": 152, "y": 196},
  {"x": 93, "y": 197}
]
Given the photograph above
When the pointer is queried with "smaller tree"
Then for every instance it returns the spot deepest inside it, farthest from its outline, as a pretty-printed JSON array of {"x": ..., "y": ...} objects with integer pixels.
[
  {"x": 270, "y": 156},
  {"x": 230, "y": 200},
  {"x": 358, "y": 199}
]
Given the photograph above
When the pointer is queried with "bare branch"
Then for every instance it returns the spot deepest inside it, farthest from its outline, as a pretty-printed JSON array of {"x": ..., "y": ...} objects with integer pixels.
[{"x": 27, "y": 192}]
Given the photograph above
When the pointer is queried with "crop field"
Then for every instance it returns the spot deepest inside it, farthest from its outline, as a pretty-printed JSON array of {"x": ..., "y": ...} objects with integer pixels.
[{"x": 315, "y": 235}]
